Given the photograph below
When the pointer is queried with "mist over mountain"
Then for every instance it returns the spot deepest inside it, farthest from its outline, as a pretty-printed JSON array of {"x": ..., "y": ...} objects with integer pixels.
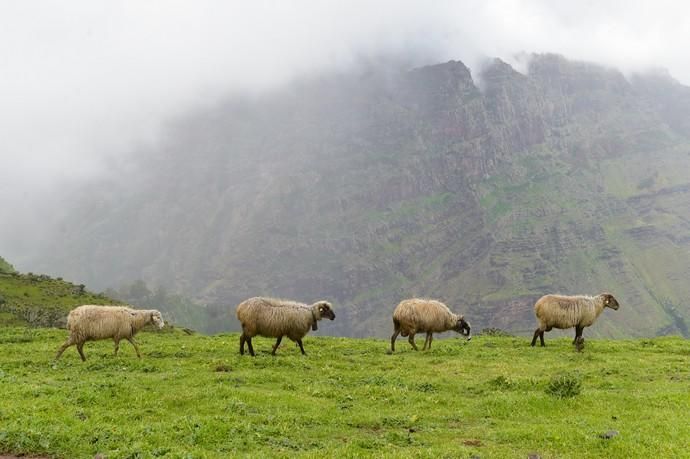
[{"x": 366, "y": 187}]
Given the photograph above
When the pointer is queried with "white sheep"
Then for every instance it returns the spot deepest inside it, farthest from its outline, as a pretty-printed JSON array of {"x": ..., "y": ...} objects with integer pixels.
[
  {"x": 420, "y": 315},
  {"x": 274, "y": 318},
  {"x": 563, "y": 312},
  {"x": 92, "y": 323}
]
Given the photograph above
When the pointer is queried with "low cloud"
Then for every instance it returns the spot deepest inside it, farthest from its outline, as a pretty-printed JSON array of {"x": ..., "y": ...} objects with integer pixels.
[{"x": 83, "y": 82}]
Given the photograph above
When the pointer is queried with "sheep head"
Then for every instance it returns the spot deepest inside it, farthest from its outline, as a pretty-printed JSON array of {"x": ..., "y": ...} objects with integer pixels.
[
  {"x": 610, "y": 301},
  {"x": 156, "y": 319},
  {"x": 325, "y": 309},
  {"x": 463, "y": 327}
]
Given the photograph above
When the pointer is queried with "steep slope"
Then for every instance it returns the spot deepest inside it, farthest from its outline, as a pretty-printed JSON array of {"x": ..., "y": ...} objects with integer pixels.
[{"x": 365, "y": 189}]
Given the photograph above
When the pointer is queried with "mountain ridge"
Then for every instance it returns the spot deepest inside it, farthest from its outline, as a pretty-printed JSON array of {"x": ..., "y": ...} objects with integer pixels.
[{"x": 365, "y": 189}]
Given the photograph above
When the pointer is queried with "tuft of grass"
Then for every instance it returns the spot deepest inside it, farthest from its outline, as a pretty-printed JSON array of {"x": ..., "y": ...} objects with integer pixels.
[
  {"x": 564, "y": 386},
  {"x": 502, "y": 383}
]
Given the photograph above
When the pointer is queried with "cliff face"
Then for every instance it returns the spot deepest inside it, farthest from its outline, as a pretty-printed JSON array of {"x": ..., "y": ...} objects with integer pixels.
[{"x": 365, "y": 189}]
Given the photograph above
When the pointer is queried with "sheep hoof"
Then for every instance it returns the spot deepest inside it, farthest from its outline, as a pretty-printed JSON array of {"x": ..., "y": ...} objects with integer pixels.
[{"x": 579, "y": 344}]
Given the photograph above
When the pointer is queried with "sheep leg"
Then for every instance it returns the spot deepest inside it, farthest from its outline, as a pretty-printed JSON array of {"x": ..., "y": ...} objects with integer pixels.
[
  {"x": 541, "y": 338},
  {"x": 243, "y": 339},
  {"x": 275, "y": 346},
  {"x": 134, "y": 343},
  {"x": 536, "y": 335},
  {"x": 411, "y": 340},
  {"x": 395, "y": 335},
  {"x": 64, "y": 346},
  {"x": 80, "y": 348},
  {"x": 431, "y": 338},
  {"x": 251, "y": 348},
  {"x": 580, "y": 343},
  {"x": 578, "y": 333},
  {"x": 301, "y": 347},
  {"x": 117, "y": 345},
  {"x": 426, "y": 341}
]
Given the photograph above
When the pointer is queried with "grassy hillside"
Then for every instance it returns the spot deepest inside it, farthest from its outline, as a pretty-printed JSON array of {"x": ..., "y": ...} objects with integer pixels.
[
  {"x": 38, "y": 300},
  {"x": 194, "y": 396}
]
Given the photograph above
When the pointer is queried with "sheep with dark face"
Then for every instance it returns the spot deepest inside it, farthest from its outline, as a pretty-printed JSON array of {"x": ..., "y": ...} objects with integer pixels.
[
  {"x": 275, "y": 318},
  {"x": 420, "y": 315},
  {"x": 563, "y": 312},
  {"x": 92, "y": 322}
]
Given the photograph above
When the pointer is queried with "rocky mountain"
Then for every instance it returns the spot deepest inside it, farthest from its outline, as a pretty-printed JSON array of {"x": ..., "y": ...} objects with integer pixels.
[{"x": 367, "y": 188}]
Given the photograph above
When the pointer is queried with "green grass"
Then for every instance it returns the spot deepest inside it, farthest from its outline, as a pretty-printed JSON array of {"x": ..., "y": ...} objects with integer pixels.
[{"x": 194, "y": 396}]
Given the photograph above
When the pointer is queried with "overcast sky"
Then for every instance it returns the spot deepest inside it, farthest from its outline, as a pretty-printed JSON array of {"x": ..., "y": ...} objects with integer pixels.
[{"x": 83, "y": 81}]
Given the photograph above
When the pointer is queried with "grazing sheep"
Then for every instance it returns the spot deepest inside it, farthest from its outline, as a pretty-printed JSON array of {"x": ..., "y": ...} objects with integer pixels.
[
  {"x": 274, "y": 318},
  {"x": 430, "y": 316},
  {"x": 92, "y": 323},
  {"x": 559, "y": 311}
]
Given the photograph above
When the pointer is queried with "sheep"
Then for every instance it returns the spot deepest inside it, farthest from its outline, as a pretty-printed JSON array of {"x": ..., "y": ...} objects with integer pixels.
[
  {"x": 92, "y": 323},
  {"x": 275, "y": 318},
  {"x": 563, "y": 312},
  {"x": 430, "y": 316}
]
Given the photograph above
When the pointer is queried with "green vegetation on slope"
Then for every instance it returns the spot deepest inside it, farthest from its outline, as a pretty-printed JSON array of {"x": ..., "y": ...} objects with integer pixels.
[
  {"x": 579, "y": 229},
  {"x": 194, "y": 396},
  {"x": 38, "y": 300},
  {"x": 5, "y": 267}
]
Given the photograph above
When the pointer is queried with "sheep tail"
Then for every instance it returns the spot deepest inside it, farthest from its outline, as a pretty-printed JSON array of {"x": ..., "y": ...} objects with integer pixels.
[{"x": 396, "y": 325}]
